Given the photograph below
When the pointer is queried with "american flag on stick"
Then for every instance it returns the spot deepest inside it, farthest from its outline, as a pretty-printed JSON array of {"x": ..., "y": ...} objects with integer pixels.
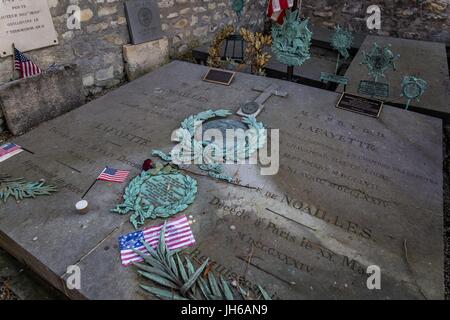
[
  {"x": 8, "y": 150},
  {"x": 113, "y": 175},
  {"x": 25, "y": 66},
  {"x": 178, "y": 234}
]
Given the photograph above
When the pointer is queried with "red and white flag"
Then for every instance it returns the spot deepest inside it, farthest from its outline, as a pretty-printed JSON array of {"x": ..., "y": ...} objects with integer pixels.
[
  {"x": 8, "y": 150},
  {"x": 25, "y": 66},
  {"x": 276, "y": 9},
  {"x": 113, "y": 175},
  {"x": 178, "y": 234}
]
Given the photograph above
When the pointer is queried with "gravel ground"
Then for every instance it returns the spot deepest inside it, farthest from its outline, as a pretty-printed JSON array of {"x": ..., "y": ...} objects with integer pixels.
[{"x": 5, "y": 291}]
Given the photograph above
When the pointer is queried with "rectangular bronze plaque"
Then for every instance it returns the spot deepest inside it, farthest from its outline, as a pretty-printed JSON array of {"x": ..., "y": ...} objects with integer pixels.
[
  {"x": 374, "y": 89},
  {"x": 26, "y": 23},
  {"x": 331, "y": 77},
  {"x": 219, "y": 76},
  {"x": 365, "y": 106}
]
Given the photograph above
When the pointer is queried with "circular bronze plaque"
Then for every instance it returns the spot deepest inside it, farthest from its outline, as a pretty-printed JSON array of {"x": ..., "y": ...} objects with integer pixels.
[
  {"x": 250, "y": 107},
  {"x": 145, "y": 17}
]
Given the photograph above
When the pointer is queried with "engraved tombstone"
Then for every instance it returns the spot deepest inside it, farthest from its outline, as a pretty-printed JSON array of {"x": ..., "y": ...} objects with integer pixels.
[
  {"x": 351, "y": 192},
  {"x": 26, "y": 23},
  {"x": 143, "y": 19}
]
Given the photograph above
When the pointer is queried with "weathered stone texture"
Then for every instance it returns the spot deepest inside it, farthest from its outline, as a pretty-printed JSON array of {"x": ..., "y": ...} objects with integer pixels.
[
  {"x": 420, "y": 20},
  {"x": 29, "y": 102},
  {"x": 145, "y": 57}
]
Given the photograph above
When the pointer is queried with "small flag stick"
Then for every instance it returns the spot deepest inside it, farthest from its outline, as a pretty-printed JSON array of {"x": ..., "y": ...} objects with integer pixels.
[
  {"x": 13, "y": 60},
  {"x": 91, "y": 186},
  {"x": 89, "y": 189}
]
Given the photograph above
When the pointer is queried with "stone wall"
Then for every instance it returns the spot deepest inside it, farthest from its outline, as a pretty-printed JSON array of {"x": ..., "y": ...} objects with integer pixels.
[
  {"x": 97, "y": 46},
  {"x": 410, "y": 19}
]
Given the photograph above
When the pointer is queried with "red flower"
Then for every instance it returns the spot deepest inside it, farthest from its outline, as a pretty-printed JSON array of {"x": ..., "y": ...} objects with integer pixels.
[{"x": 147, "y": 165}]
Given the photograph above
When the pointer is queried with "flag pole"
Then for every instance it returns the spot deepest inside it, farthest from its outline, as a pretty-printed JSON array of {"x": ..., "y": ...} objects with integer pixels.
[
  {"x": 91, "y": 186},
  {"x": 13, "y": 61},
  {"x": 89, "y": 189},
  {"x": 290, "y": 69}
]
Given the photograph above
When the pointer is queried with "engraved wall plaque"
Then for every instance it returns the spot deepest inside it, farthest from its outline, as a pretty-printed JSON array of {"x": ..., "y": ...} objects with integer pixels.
[
  {"x": 26, "y": 23},
  {"x": 143, "y": 19}
]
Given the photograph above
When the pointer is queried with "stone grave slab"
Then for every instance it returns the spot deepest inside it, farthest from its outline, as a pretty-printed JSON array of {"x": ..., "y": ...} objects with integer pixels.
[
  {"x": 351, "y": 192},
  {"x": 144, "y": 22},
  {"x": 426, "y": 60}
]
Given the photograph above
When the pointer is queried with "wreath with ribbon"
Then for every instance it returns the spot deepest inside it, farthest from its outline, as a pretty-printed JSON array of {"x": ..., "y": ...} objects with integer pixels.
[
  {"x": 193, "y": 149},
  {"x": 137, "y": 196}
]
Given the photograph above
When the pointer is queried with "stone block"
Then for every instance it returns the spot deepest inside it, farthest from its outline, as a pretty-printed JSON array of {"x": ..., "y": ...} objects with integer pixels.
[
  {"x": 29, "y": 102},
  {"x": 145, "y": 57}
]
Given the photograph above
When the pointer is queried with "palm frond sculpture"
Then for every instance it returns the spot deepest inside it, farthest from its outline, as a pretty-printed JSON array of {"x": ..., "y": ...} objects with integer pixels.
[
  {"x": 21, "y": 189},
  {"x": 181, "y": 280}
]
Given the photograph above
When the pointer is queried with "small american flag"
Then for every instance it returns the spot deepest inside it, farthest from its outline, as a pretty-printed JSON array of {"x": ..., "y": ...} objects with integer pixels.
[
  {"x": 8, "y": 150},
  {"x": 113, "y": 175},
  {"x": 178, "y": 235},
  {"x": 25, "y": 66}
]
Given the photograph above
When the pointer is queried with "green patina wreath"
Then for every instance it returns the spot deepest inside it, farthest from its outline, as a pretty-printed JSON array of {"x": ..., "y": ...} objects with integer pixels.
[
  {"x": 157, "y": 193},
  {"x": 194, "y": 148},
  {"x": 342, "y": 40}
]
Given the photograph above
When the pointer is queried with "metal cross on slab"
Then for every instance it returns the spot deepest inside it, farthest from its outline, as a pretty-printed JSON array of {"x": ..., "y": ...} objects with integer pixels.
[{"x": 255, "y": 107}]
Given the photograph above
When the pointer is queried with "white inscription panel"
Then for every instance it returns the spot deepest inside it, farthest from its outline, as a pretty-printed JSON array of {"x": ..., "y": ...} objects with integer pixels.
[{"x": 26, "y": 23}]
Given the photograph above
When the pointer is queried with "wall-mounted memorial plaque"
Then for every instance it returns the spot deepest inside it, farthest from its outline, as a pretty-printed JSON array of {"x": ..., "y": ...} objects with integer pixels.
[
  {"x": 26, "y": 23},
  {"x": 365, "y": 106},
  {"x": 143, "y": 19}
]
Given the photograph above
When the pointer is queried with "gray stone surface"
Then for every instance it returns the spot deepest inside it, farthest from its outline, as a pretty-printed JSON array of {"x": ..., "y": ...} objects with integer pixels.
[
  {"x": 23, "y": 283},
  {"x": 426, "y": 60},
  {"x": 143, "y": 20},
  {"x": 424, "y": 20},
  {"x": 28, "y": 26},
  {"x": 352, "y": 191},
  {"x": 26, "y": 103},
  {"x": 143, "y": 58}
]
